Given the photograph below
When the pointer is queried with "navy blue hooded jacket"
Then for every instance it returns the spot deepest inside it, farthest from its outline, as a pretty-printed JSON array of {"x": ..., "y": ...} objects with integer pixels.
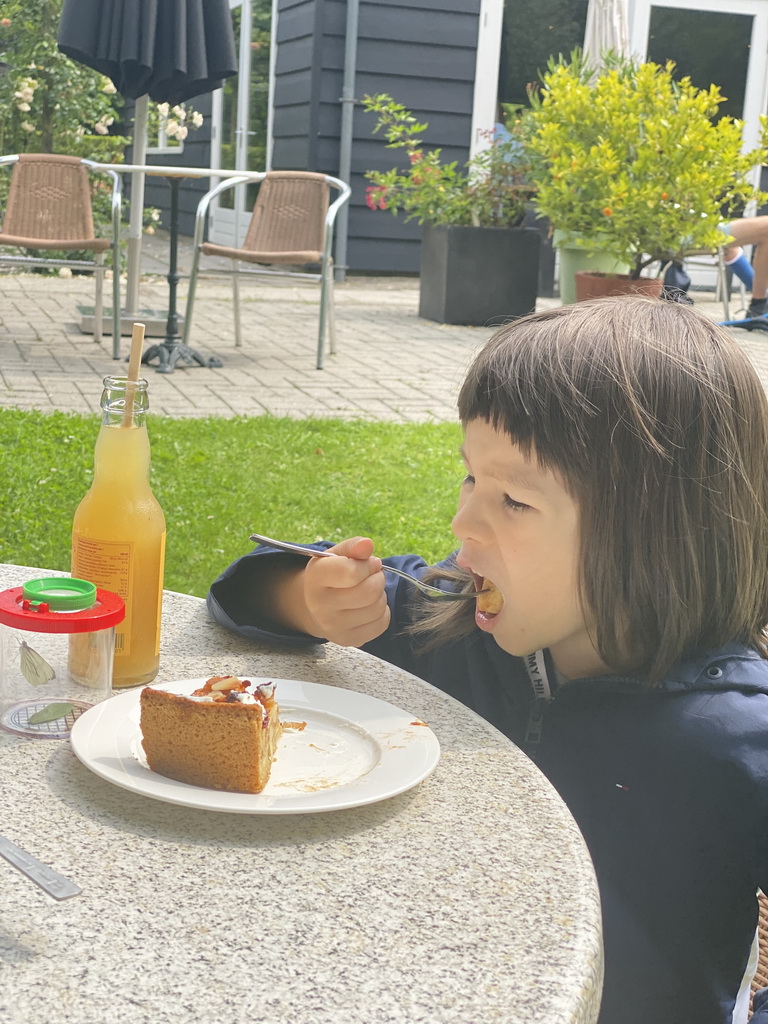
[{"x": 669, "y": 787}]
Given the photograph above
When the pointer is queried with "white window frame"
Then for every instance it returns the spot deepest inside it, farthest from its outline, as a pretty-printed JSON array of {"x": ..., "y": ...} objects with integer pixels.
[
  {"x": 162, "y": 146},
  {"x": 756, "y": 85},
  {"x": 487, "y": 59}
]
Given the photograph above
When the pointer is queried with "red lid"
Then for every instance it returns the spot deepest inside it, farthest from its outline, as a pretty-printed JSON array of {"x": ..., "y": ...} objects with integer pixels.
[{"x": 108, "y": 610}]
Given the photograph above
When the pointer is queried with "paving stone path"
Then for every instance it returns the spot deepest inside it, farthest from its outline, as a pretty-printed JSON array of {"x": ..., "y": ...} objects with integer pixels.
[{"x": 390, "y": 364}]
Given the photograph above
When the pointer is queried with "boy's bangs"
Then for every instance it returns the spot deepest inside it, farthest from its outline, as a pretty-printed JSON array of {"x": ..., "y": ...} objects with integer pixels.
[{"x": 525, "y": 384}]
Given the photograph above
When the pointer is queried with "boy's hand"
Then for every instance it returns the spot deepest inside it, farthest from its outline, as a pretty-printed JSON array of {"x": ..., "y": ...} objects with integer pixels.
[{"x": 345, "y": 595}]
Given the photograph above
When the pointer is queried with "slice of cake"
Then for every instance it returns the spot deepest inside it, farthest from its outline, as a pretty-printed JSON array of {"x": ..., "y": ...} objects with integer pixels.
[{"x": 222, "y": 736}]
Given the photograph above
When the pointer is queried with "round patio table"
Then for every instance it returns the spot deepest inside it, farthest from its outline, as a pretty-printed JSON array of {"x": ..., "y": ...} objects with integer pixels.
[
  {"x": 171, "y": 350},
  {"x": 468, "y": 899}
]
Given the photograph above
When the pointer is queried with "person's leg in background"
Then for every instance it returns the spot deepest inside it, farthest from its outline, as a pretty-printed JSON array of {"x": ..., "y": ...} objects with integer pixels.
[{"x": 750, "y": 231}]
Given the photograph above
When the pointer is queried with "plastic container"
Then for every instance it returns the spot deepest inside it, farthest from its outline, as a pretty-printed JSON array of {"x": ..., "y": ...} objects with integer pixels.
[{"x": 57, "y": 641}]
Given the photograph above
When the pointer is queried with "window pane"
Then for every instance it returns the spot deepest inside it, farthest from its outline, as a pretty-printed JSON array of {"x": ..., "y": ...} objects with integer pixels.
[
  {"x": 259, "y": 97},
  {"x": 533, "y": 31},
  {"x": 709, "y": 46},
  {"x": 229, "y": 123}
]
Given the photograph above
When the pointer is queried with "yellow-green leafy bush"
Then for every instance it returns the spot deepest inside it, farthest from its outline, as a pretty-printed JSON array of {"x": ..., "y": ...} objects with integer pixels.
[{"x": 635, "y": 161}]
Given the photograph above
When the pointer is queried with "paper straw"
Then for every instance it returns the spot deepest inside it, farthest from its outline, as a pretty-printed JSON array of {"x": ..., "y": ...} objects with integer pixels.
[{"x": 134, "y": 362}]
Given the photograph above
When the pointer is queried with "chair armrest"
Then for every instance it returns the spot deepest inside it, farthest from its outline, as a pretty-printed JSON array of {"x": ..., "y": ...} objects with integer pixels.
[
  {"x": 344, "y": 193},
  {"x": 117, "y": 194}
]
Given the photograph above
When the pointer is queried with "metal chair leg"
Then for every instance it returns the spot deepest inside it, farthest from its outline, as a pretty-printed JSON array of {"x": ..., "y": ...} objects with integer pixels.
[
  {"x": 116, "y": 308},
  {"x": 98, "y": 308},
  {"x": 323, "y": 313},
  {"x": 331, "y": 309},
  {"x": 191, "y": 296},
  {"x": 722, "y": 283},
  {"x": 236, "y": 302}
]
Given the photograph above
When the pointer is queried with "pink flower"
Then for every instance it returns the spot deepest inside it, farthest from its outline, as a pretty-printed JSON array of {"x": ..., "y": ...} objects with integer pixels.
[
  {"x": 375, "y": 197},
  {"x": 415, "y": 156}
]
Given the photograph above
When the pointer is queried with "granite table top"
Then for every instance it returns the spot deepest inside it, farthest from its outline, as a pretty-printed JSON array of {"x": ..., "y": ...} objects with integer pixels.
[{"x": 469, "y": 899}]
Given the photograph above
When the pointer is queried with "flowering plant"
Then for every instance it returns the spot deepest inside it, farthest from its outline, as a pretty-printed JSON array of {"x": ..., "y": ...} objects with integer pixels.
[
  {"x": 491, "y": 191},
  {"x": 175, "y": 122},
  {"x": 633, "y": 162},
  {"x": 49, "y": 103}
]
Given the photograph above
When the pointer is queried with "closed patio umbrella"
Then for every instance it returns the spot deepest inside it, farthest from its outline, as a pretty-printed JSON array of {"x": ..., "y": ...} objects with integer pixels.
[
  {"x": 606, "y": 29},
  {"x": 169, "y": 50}
]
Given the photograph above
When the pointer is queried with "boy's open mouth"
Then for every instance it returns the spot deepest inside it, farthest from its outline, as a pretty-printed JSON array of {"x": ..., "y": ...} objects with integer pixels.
[{"x": 490, "y": 603}]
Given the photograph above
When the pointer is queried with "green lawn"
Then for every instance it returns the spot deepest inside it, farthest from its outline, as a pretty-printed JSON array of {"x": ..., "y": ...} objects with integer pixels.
[{"x": 220, "y": 479}]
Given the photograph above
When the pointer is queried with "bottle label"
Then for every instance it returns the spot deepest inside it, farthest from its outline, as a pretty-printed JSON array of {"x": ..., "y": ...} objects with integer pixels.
[
  {"x": 108, "y": 564},
  {"x": 160, "y": 593}
]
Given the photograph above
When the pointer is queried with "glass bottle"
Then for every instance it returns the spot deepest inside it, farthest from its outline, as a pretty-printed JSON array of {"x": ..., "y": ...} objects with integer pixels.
[{"x": 118, "y": 534}]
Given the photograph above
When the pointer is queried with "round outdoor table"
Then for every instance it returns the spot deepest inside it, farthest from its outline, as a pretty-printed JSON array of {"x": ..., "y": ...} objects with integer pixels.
[{"x": 469, "y": 899}]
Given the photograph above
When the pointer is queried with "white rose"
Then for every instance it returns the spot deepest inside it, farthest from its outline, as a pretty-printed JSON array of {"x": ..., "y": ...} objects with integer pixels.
[
  {"x": 162, "y": 109},
  {"x": 197, "y": 119},
  {"x": 27, "y": 126},
  {"x": 109, "y": 87},
  {"x": 172, "y": 127},
  {"x": 23, "y": 107},
  {"x": 101, "y": 129},
  {"x": 182, "y": 133}
]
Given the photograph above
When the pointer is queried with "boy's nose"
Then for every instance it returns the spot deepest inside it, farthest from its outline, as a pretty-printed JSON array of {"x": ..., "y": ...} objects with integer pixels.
[{"x": 466, "y": 524}]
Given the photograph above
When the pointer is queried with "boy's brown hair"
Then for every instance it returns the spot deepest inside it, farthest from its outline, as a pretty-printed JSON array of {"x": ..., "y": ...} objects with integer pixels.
[{"x": 657, "y": 424}]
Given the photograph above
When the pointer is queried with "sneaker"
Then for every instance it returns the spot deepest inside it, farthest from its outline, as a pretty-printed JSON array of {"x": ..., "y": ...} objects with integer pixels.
[
  {"x": 677, "y": 295},
  {"x": 757, "y": 307}
]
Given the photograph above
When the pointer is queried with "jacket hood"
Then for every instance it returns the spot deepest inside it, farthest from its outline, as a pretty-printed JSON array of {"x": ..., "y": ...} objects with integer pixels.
[{"x": 733, "y": 667}]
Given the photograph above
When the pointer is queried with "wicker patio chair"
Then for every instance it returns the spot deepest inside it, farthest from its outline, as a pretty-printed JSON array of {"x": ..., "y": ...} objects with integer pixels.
[
  {"x": 760, "y": 979},
  {"x": 49, "y": 208},
  {"x": 291, "y": 226}
]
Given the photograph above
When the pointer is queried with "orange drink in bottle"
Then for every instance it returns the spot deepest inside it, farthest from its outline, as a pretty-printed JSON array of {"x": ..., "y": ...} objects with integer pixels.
[{"x": 118, "y": 534}]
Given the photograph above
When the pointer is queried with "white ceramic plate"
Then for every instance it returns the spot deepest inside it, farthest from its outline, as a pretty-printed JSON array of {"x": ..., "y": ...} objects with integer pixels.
[{"x": 354, "y": 750}]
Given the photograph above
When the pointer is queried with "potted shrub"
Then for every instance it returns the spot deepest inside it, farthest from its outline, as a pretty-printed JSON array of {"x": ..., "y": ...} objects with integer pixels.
[
  {"x": 478, "y": 264},
  {"x": 633, "y": 164}
]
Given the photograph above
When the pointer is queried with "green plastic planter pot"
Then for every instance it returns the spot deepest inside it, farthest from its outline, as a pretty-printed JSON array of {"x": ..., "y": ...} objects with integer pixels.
[
  {"x": 477, "y": 276},
  {"x": 574, "y": 259}
]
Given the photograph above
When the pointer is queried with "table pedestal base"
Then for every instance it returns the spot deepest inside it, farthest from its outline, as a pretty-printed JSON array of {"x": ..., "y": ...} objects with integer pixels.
[
  {"x": 170, "y": 351},
  {"x": 169, "y": 356}
]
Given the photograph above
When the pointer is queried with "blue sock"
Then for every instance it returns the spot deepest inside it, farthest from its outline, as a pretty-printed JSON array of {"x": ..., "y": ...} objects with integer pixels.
[{"x": 742, "y": 268}]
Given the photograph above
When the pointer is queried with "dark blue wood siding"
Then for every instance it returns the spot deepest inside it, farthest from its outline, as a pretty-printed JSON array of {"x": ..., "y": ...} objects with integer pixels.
[{"x": 421, "y": 52}]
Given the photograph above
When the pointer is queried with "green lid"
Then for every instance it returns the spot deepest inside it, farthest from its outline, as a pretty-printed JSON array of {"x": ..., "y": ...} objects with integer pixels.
[{"x": 61, "y": 593}]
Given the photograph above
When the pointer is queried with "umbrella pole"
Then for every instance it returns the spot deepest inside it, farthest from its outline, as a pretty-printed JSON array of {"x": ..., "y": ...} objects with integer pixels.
[{"x": 137, "y": 207}]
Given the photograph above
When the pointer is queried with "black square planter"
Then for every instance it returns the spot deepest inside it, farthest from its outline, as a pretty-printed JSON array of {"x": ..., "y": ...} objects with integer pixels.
[{"x": 477, "y": 276}]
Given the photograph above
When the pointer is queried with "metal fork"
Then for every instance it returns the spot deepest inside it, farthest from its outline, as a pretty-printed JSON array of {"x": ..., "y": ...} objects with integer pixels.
[{"x": 434, "y": 592}]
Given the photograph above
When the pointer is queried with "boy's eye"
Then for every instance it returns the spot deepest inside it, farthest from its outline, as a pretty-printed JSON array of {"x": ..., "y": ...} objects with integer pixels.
[
  {"x": 468, "y": 479},
  {"x": 511, "y": 503}
]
